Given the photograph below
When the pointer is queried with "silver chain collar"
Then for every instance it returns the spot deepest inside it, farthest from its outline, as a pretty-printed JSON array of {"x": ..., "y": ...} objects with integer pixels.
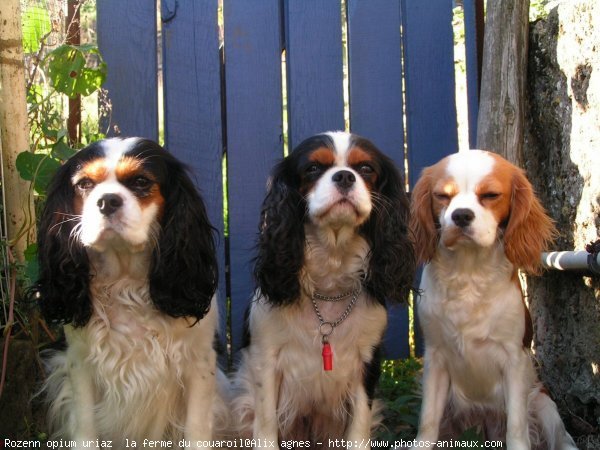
[
  {"x": 334, "y": 298},
  {"x": 326, "y": 327}
]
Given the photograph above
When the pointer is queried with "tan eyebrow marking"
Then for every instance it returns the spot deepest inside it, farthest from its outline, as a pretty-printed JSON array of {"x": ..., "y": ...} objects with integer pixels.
[
  {"x": 322, "y": 155},
  {"x": 127, "y": 167},
  {"x": 358, "y": 155},
  {"x": 95, "y": 170}
]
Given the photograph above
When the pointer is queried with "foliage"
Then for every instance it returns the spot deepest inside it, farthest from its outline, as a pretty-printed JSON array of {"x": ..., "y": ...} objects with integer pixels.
[
  {"x": 537, "y": 10},
  {"x": 70, "y": 72},
  {"x": 54, "y": 73},
  {"x": 400, "y": 391},
  {"x": 36, "y": 26},
  {"x": 399, "y": 388},
  {"x": 64, "y": 72}
]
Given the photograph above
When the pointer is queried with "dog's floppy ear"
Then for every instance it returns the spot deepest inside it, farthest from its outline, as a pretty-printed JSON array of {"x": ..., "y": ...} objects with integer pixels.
[
  {"x": 184, "y": 271},
  {"x": 392, "y": 260},
  {"x": 281, "y": 238},
  {"x": 62, "y": 289},
  {"x": 422, "y": 223},
  {"x": 529, "y": 229}
]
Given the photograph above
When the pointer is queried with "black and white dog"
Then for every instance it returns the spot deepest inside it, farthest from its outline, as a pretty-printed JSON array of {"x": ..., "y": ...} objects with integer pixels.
[
  {"x": 333, "y": 248},
  {"x": 127, "y": 261}
]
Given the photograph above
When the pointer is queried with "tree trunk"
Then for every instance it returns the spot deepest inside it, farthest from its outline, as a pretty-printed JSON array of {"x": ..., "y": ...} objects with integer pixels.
[
  {"x": 562, "y": 159},
  {"x": 14, "y": 129},
  {"x": 502, "y": 100}
]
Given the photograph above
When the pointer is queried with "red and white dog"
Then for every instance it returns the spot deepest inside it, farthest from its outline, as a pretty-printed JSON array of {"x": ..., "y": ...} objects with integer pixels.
[{"x": 476, "y": 221}]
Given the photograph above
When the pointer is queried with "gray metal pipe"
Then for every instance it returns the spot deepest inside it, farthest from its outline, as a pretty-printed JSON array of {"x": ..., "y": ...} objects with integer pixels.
[{"x": 579, "y": 260}]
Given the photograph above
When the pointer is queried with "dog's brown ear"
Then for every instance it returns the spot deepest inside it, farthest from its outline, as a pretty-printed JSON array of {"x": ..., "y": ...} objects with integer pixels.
[
  {"x": 529, "y": 229},
  {"x": 422, "y": 224}
]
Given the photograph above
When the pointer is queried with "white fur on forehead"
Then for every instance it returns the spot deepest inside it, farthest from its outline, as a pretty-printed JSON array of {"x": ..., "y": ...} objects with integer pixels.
[
  {"x": 469, "y": 168},
  {"x": 115, "y": 148},
  {"x": 341, "y": 142}
]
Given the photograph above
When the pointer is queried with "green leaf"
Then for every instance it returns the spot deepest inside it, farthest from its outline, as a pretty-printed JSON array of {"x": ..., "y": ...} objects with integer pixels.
[
  {"x": 26, "y": 164},
  {"x": 36, "y": 24},
  {"x": 403, "y": 400},
  {"x": 30, "y": 252},
  {"x": 62, "y": 151},
  {"x": 62, "y": 133},
  {"x": 31, "y": 262},
  {"x": 88, "y": 138},
  {"x": 37, "y": 168},
  {"x": 70, "y": 72},
  {"x": 35, "y": 94},
  {"x": 48, "y": 131}
]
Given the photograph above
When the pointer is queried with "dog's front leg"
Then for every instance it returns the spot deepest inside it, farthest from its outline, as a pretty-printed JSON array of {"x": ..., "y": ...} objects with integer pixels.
[
  {"x": 516, "y": 388},
  {"x": 81, "y": 423},
  {"x": 359, "y": 431},
  {"x": 262, "y": 363},
  {"x": 201, "y": 388},
  {"x": 436, "y": 383},
  {"x": 82, "y": 416}
]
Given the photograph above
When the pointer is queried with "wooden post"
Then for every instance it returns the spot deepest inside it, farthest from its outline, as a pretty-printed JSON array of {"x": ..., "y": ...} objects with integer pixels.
[
  {"x": 502, "y": 102},
  {"x": 14, "y": 129}
]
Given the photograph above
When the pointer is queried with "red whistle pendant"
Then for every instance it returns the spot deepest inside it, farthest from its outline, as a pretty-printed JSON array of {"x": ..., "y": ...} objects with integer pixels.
[{"x": 327, "y": 356}]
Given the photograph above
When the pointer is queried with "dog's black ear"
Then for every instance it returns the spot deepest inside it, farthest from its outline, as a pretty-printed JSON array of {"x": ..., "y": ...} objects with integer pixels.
[
  {"x": 392, "y": 260},
  {"x": 281, "y": 237},
  {"x": 62, "y": 289},
  {"x": 184, "y": 271}
]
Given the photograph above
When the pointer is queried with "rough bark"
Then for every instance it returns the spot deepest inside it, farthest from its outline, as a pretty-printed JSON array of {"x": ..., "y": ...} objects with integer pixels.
[
  {"x": 562, "y": 155},
  {"x": 502, "y": 99},
  {"x": 14, "y": 130}
]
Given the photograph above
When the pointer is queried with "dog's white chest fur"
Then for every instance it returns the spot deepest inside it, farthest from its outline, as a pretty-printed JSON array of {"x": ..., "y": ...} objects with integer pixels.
[
  {"x": 286, "y": 352},
  {"x": 299, "y": 358},
  {"x": 139, "y": 361},
  {"x": 307, "y": 394},
  {"x": 473, "y": 319}
]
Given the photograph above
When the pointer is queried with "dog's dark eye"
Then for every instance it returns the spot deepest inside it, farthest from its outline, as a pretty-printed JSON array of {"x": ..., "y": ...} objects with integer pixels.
[
  {"x": 85, "y": 184},
  {"x": 366, "y": 169},
  {"x": 441, "y": 196},
  {"x": 312, "y": 169},
  {"x": 489, "y": 195},
  {"x": 140, "y": 183}
]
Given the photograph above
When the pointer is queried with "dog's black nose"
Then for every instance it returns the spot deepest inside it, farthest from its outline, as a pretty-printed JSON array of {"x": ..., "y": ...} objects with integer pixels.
[
  {"x": 109, "y": 203},
  {"x": 344, "y": 179},
  {"x": 462, "y": 217}
]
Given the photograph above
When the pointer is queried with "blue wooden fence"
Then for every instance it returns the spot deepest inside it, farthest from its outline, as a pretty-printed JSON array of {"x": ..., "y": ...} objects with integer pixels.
[{"x": 226, "y": 99}]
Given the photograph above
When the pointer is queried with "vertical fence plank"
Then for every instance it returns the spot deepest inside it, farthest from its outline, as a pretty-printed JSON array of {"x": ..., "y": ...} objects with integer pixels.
[
  {"x": 314, "y": 68},
  {"x": 473, "y": 52},
  {"x": 127, "y": 41},
  {"x": 375, "y": 75},
  {"x": 430, "y": 95},
  {"x": 429, "y": 71},
  {"x": 192, "y": 90},
  {"x": 254, "y": 132}
]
